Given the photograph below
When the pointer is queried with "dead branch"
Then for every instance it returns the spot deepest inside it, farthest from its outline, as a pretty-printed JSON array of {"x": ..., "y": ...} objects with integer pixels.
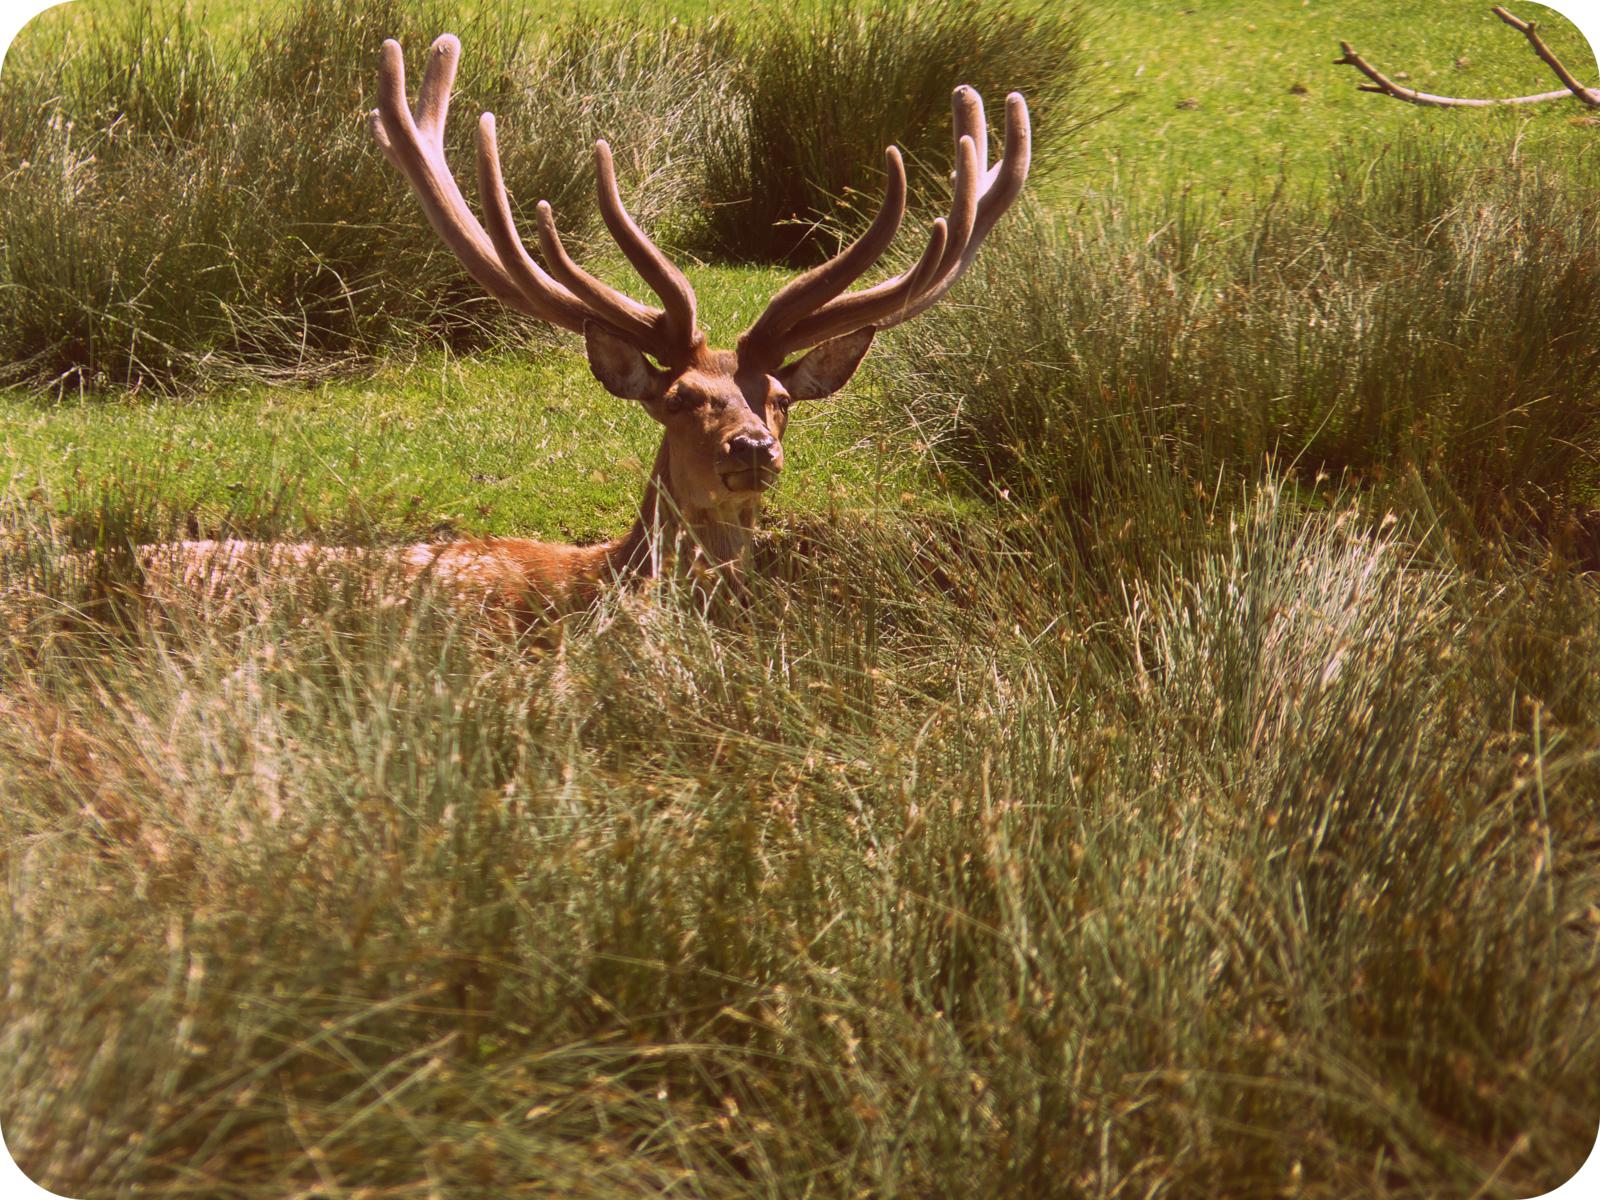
[{"x": 1386, "y": 86}]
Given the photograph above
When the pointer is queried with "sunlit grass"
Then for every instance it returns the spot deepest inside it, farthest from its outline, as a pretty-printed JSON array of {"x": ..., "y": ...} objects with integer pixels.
[
  {"x": 531, "y": 447},
  {"x": 1426, "y": 318},
  {"x": 928, "y": 870},
  {"x": 1157, "y": 755},
  {"x": 1225, "y": 97}
]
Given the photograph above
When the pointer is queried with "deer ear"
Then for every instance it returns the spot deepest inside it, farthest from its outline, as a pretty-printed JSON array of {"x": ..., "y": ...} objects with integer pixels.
[
  {"x": 620, "y": 367},
  {"x": 824, "y": 370}
]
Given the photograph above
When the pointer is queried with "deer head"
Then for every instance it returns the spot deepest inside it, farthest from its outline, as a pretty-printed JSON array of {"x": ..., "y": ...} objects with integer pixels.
[{"x": 724, "y": 412}]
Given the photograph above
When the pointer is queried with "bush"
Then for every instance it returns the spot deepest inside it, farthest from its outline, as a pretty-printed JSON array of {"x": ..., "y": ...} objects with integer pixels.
[
  {"x": 184, "y": 207},
  {"x": 821, "y": 91},
  {"x": 1425, "y": 320}
]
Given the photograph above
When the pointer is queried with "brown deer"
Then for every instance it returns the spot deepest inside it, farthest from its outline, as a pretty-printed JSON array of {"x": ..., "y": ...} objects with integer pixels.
[
  {"x": 1385, "y": 86},
  {"x": 723, "y": 412}
]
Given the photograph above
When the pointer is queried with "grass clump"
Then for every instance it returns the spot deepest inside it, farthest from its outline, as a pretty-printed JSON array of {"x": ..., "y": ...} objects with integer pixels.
[
  {"x": 1431, "y": 319},
  {"x": 184, "y": 208},
  {"x": 819, "y": 92},
  {"x": 923, "y": 873}
]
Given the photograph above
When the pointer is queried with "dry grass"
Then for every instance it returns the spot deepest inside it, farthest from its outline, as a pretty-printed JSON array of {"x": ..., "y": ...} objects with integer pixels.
[{"x": 929, "y": 871}]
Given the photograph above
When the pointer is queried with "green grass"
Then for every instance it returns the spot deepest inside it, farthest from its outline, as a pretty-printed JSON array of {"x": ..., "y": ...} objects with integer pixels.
[
  {"x": 1240, "y": 61},
  {"x": 1426, "y": 317},
  {"x": 282, "y": 248},
  {"x": 523, "y": 442},
  {"x": 1222, "y": 97},
  {"x": 465, "y": 445},
  {"x": 273, "y": 242},
  {"x": 929, "y": 871}
]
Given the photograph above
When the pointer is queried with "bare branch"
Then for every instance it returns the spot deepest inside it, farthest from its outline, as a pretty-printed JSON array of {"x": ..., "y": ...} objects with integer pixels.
[
  {"x": 1386, "y": 86},
  {"x": 1530, "y": 30}
]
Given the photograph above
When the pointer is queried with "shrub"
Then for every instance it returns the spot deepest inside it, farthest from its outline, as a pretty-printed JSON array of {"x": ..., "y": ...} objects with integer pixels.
[
  {"x": 184, "y": 207},
  {"x": 1426, "y": 319},
  {"x": 819, "y": 92}
]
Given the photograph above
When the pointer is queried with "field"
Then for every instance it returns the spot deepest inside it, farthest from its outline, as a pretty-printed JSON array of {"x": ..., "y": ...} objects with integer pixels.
[{"x": 1158, "y": 754}]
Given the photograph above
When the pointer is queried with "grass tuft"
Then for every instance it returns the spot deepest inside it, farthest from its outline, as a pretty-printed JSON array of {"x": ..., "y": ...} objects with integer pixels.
[
  {"x": 925, "y": 872},
  {"x": 268, "y": 239},
  {"x": 820, "y": 92},
  {"x": 1429, "y": 320}
]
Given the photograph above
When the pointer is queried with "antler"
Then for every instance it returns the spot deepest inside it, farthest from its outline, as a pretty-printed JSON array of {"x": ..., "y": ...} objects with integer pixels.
[
  {"x": 1529, "y": 29},
  {"x": 811, "y": 309},
  {"x": 567, "y": 296}
]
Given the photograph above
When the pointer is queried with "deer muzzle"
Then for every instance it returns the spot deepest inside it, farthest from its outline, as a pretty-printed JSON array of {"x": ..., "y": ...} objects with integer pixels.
[{"x": 753, "y": 463}]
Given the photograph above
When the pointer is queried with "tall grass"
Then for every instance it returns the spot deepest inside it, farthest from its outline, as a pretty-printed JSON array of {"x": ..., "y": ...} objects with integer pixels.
[
  {"x": 1176, "y": 824},
  {"x": 922, "y": 876},
  {"x": 181, "y": 207},
  {"x": 1432, "y": 319},
  {"x": 822, "y": 90}
]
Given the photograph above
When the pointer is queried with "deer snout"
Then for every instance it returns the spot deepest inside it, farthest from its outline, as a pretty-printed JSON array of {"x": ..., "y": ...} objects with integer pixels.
[
  {"x": 754, "y": 461},
  {"x": 755, "y": 450}
]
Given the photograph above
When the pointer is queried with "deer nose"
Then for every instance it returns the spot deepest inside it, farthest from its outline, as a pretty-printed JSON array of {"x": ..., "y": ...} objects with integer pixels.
[{"x": 759, "y": 451}]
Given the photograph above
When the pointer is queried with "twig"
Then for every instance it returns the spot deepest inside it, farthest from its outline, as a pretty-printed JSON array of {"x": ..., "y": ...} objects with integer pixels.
[
  {"x": 1530, "y": 30},
  {"x": 1383, "y": 85}
]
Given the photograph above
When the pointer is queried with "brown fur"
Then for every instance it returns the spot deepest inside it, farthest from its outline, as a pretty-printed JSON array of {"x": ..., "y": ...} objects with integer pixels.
[{"x": 515, "y": 581}]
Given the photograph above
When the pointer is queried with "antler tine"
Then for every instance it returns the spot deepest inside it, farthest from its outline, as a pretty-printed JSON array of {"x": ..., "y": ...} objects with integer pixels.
[
  {"x": 497, "y": 258},
  {"x": 808, "y": 292},
  {"x": 421, "y": 160},
  {"x": 438, "y": 81},
  {"x": 654, "y": 267},
  {"x": 981, "y": 195},
  {"x": 1001, "y": 187},
  {"x": 883, "y": 302},
  {"x": 964, "y": 205},
  {"x": 621, "y": 311},
  {"x": 551, "y": 301},
  {"x": 967, "y": 116},
  {"x": 860, "y": 309},
  {"x": 932, "y": 257}
]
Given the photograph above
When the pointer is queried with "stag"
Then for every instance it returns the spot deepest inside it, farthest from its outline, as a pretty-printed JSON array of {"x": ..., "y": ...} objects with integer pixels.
[
  {"x": 1384, "y": 85},
  {"x": 723, "y": 412}
]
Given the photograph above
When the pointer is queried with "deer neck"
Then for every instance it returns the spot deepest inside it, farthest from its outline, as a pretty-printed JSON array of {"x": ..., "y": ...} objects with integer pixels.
[{"x": 669, "y": 529}]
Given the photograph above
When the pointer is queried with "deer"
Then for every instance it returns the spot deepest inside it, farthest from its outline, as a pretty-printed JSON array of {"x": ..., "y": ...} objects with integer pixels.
[
  {"x": 723, "y": 413},
  {"x": 1386, "y": 86}
]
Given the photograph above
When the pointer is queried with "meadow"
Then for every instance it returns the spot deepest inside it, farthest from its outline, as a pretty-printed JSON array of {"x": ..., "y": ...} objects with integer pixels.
[{"x": 1159, "y": 752}]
